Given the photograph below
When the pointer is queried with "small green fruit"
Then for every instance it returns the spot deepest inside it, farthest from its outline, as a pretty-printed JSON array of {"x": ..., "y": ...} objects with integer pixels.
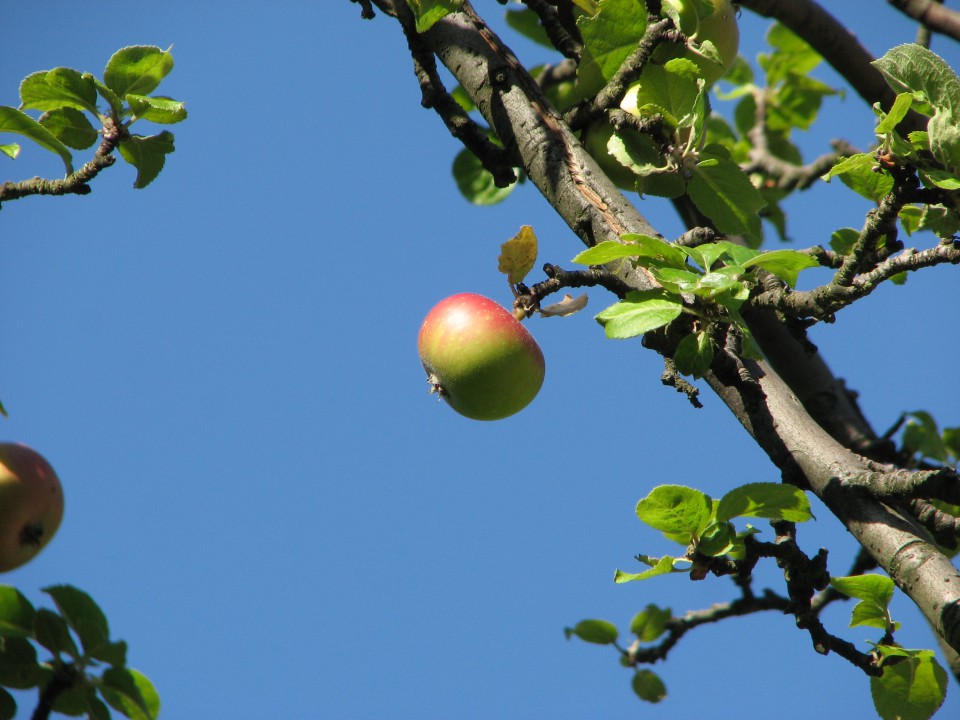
[
  {"x": 479, "y": 358},
  {"x": 31, "y": 504}
]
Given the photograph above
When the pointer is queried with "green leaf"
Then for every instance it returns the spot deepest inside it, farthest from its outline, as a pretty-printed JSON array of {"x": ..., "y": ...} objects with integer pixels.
[
  {"x": 722, "y": 191},
  {"x": 676, "y": 281},
  {"x": 87, "y": 620},
  {"x": 913, "y": 689},
  {"x": 163, "y": 110},
  {"x": 727, "y": 279},
  {"x": 901, "y": 106},
  {"x": 527, "y": 23},
  {"x": 843, "y": 240},
  {"x": 648, "y": 686},
  {"x": 774, "y": 501},
  {"x": 915, "y": 69},
  {"x": 857, "y": 173},
  {"x": 951, "y": 439},
  {"x": 874, "y": 593},
  {"x": 673, "y": 90},
  {"x": 137, "y": 69},
  {"x": 609, "y": 37},
  {"x": 147, "y": 155},
  {"x": 662, "y": 566},
  {"x": 706, "y": 255},
  {"x": 599, "y": 632},
  {"x": 58, "y": 88},
  {"x": 641, "y": 312},
  {"x": 792, "y": 55},
  {"x": 785, "y": 264},
  {"x": 650, "y": 623},
  {"x": 8, "y": 706},
  {"x": 922, "y": 436},
  {"x": 81, "y": 700},
  {"x": 71, "y": 127},
  {"x": 16, "y": 613},
  {"x": 115, "y": 103},
  {"x": 11, "y": 150},
  {"x": 18, "y": 664},
  {"x": 796, "y": 103},
  {"x": 639, "y": 246},
  {"x": 53, "y": 633},
  {"x": 694, "y": 354},
  {"x": 131, "y": 693},
  {"x": 676, "y": 509},
  {"x": 475, "y": 182},
  {"x": 15, "y": 121},
  {"x": 427, "y": 12},
  {"x": 717, "y": 539}
]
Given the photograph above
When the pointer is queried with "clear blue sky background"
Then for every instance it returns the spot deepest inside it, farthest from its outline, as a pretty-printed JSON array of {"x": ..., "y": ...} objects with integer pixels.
[{"x": 261, "y": 494}]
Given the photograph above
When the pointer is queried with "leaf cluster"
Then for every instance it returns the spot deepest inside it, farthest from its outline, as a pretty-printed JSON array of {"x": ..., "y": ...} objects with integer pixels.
[
  {"x": 710, "y": 282},
  {"x": 68, "y": 98},
  {"x": 926, "y": 85},
  {"x": 703, "y": 525},
  {"x": 86, "y": 673}
]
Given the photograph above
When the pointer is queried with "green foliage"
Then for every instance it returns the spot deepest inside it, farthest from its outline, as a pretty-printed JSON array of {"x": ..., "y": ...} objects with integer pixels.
[
  {"x": 648, "y": 686},
  {"x": 922, "y": 438},
  {"x": 475, "y": 182},
  {"x": 77, "y": 637},
  {"x": 693, "y": 519},
  {"x": 874, "y": 593},
  {"x": 927, "y": 85},
  {"x": 66, "y": 97},
  {"x": 609, "y": 36},
  {"x": 650, "y": 623},
  {"x": 427, "y": 12},
  {"x": 720, "y": 276},
  {"x": 599, "y": 632},
  {"x": 913, "y": 685}
]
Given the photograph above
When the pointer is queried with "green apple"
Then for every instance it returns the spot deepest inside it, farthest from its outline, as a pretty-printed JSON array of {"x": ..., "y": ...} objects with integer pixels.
[
  {"x": 479, "y": 358},
  {"x": 709, "y": 20},
  {"x": 31, "y": 504}
]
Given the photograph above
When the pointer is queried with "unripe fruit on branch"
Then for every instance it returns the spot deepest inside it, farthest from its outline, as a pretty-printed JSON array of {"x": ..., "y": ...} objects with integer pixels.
[
  {"x": 479, "y": 358},
  {"x": 31, "y": 504}
]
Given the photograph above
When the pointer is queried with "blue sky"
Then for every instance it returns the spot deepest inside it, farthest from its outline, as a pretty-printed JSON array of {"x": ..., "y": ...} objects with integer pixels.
[{"x": 260, "y": 493}]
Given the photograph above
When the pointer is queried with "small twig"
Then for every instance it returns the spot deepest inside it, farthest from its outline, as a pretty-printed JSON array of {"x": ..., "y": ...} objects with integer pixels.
[
  {"x": 77, "y": 183},
  {"x": 944, "y": 528},
  {"x": 788, "y": 176},
  {"x": 494, "y": 159},
  {"x": 562, "y": 40},
  {"x": 672, "y": 378},
  {"x": 366, "y": 9},
  {"x": 932, "y": 15},
  {"x": 529, "y": 298},
  {"x": 658, "y": 30}
]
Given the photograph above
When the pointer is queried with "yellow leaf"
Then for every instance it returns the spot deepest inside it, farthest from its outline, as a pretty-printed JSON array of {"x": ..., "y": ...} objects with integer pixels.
[{"x": 517, "y": 255}]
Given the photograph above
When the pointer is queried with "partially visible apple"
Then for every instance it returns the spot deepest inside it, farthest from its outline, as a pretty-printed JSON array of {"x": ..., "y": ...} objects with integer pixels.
[
  {"x": 713, "y": 20},
  {"x": 31, "y": 504},
  {"x": 479, "y": 358}
]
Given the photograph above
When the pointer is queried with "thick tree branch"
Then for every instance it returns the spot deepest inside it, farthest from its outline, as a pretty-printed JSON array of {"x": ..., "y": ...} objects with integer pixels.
[
  {"x": 567, "y": 44},
  {"x": 932, "y": 15},
  {"x": 514, "y": 106},
  {"x": 836, "y": 44}
]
